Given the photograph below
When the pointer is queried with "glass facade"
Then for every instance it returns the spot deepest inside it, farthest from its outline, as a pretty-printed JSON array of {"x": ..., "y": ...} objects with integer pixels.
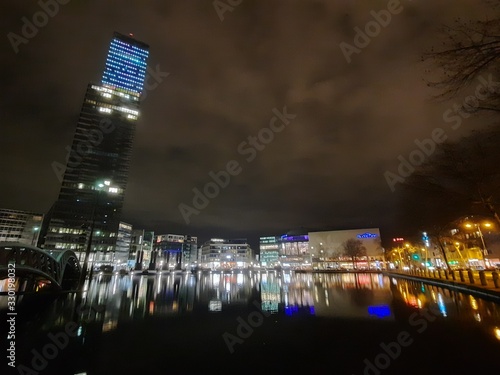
[
  {"x": 126, "y": 64},
  {"x": 141, "y": 247},
  {"x": 294, "y": 251},
  {"x": 269, "y": 251},
  {"x": 90, "y": 201},
  {"x": 174, "y": 251},
  {"x": 123, "y": 244}
]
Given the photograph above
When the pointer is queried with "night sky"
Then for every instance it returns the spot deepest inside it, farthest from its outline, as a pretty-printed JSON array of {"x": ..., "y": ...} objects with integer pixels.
[{"x": 225, "y": 77}]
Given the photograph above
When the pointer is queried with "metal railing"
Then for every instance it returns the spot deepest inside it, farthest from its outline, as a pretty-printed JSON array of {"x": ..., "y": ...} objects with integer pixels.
[{"x": 489, "y": 279}]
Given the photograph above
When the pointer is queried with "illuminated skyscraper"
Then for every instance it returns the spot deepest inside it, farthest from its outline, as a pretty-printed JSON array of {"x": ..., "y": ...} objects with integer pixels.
[
  {"x": 126, "y": 64},
  {"x": 90, "y": 201}
]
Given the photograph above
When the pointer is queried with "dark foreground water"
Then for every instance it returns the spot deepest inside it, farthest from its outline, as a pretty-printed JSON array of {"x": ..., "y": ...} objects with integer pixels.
[{"x": 256, "y": 323}]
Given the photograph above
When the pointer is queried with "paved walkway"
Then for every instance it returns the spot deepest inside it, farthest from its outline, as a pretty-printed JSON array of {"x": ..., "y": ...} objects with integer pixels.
[{"x": 485, "y": 288}]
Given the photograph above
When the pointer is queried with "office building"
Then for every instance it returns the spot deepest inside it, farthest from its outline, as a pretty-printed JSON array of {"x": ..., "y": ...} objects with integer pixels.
[
  {"x": 221, "y": 253},
  {"x": 174, "y": 252},
  {"x": 20, "y": 226},
  {"x": 141, "y": 247},
  {"x": 123, "y": 242},
  {"x": 89, "y": 206},
  {"x": 269, "y": 251}
]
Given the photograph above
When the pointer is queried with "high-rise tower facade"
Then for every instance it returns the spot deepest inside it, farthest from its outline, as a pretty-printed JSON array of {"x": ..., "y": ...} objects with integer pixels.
[{"x": 91, "y": 197}]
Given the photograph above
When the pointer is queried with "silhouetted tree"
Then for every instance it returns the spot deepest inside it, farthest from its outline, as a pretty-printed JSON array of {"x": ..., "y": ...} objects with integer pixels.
[
  {"x": 469, "y": 50},
  {"x": 354, "y": 248},
  {"x": 466, "y": 171}
]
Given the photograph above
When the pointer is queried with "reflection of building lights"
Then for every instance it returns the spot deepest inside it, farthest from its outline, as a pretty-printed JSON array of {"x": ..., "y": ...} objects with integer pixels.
[
  {"x": 496, "y": 332},
  {"x": 215, "y": 305},
  {"x": 473, "y": 303},
  {"x": 380, "y": 311},
  {"x": 442, "y": 307},
  {"x": 477, "y": 316}
]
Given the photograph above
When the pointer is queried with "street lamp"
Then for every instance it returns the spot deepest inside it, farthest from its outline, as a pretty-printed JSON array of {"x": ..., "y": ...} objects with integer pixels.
[
  {"x": 484, "y": 251},
  {"x": 33, "y": 240},
  {"x": 398, "y": 251},
  {"x": 104, "y": 186}
]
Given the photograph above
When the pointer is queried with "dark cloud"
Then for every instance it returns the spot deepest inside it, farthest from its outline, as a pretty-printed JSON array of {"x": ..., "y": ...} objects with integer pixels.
[{"x": 225, "y": 78}]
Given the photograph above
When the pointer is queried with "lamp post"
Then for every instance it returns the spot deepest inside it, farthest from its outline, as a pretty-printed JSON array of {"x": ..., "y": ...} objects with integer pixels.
[
  {"x": 34, "y": 239},
  {"x": 398, "y": 251},
  {"x": 484, "y": 251}
]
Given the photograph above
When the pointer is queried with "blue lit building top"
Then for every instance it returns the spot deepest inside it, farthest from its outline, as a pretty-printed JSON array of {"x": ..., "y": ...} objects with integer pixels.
[
  {"x": 126, "y": 64},
  {"x": 298, "y": 238}
]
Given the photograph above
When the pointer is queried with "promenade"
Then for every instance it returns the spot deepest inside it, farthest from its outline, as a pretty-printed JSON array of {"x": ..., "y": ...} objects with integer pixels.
[{"x": 485, "y": 284}]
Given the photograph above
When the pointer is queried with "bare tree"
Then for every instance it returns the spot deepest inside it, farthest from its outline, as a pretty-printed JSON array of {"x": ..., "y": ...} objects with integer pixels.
[
  {"x": 354, "y": 248},
  {"x": 469, "y": 49},
  {"x": 466, "y": 171}
]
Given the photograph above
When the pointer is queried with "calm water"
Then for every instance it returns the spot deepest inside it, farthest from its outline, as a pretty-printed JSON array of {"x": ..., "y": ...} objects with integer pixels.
[{"x": 257, "y": 323}]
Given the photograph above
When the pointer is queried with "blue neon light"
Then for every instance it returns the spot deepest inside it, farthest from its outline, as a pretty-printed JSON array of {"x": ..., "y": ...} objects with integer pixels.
[
  {"x": 367, "y": 235},
  {"x": 380, "y": 311},
  {"x": 304, "y": 237}
]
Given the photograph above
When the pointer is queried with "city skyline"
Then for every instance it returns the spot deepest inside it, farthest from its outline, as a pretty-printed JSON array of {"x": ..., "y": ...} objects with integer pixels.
[{"x": 214, "y": 81}]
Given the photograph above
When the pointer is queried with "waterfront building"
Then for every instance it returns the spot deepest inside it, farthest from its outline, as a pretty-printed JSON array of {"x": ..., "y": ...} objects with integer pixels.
[
  {"x": 269, "y": 251},
  {"x": 174, "y": 252},
  {"x": 223, "y": 253},
  {"x": 94, "y": 180},
  {"x": 141, "y": 247},
  {"x": 321, "y": 249},
  {"x": 20, "y": 226},
  {"x": 328, "y": 249},
  {"x": 294, "y": 251}
]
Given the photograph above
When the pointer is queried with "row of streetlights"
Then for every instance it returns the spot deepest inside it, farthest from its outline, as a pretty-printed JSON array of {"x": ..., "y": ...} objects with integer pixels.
[{"x": 467, "y": 224}]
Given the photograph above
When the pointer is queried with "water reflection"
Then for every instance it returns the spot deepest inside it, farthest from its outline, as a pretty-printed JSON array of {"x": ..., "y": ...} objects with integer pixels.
[
  {"x": 112, "y": 304},
  {"x": 450, "y": 304},
  {"x": 118, "y": 298}
]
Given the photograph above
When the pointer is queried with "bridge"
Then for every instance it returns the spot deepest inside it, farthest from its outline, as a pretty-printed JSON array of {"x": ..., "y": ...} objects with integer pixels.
[{"x": 38, "y": 269}]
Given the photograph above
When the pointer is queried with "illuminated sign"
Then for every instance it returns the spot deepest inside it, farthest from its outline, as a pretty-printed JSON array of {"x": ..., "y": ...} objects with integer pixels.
[
  {"x": 367, "y": 235},
  {"x": 304, "y": 237}
]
